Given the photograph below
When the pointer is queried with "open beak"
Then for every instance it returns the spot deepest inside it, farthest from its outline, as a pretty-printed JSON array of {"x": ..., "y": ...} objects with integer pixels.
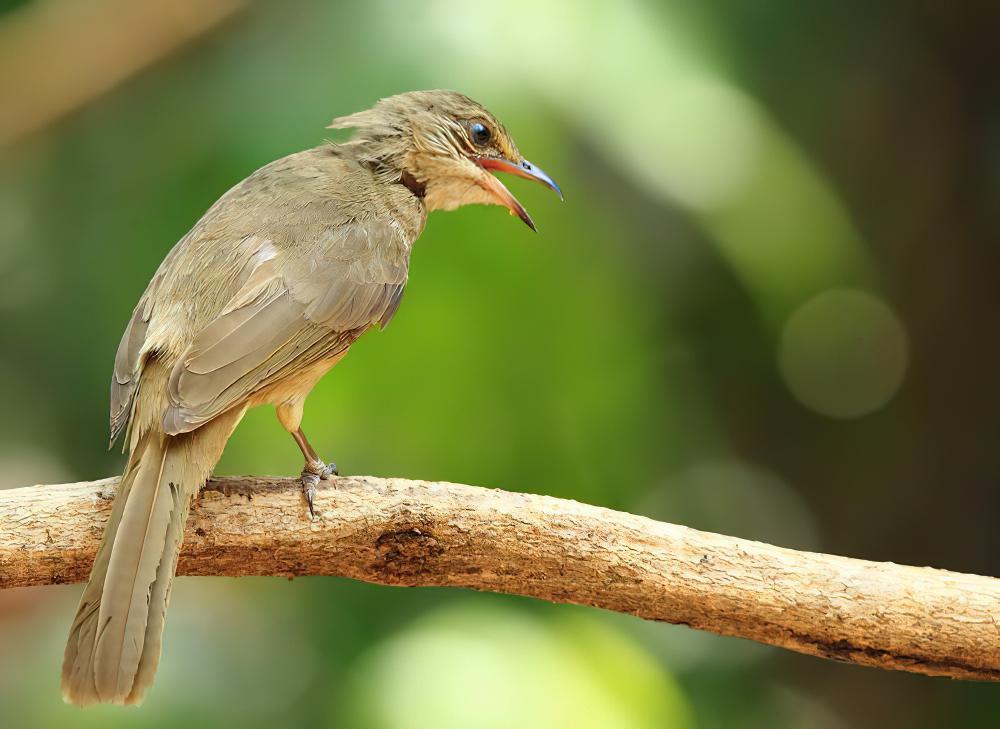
[{"x": 524, "y": 168}]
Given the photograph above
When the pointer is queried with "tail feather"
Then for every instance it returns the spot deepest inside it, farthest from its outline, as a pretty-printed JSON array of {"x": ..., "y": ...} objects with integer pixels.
[
  {"x": 140, "y": 545},
  {"x": 108, "y": 637},
  {"x": 114, "y": 643},
  {"x": 78, "y": 684},
  {"x": 158, "y": 598}
]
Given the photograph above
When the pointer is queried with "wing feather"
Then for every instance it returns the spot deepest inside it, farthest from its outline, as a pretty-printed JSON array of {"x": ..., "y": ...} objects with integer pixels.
[
  {"x": 289, "y": 314},
  {"x": 129, "y": 361}
]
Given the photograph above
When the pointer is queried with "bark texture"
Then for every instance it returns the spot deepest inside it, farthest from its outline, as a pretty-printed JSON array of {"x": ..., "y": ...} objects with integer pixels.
[{"x": 402, "y": 532}]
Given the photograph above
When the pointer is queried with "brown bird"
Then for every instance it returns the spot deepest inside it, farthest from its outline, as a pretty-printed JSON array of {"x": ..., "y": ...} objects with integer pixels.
[{"x": 258, "y": 301}]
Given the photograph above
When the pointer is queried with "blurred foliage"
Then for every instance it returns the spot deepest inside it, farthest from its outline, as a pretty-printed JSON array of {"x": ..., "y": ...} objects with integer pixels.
[{"x": 767, "y": 308}]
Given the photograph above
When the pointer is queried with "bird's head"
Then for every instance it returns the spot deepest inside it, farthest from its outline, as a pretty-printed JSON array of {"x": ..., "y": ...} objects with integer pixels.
[{"x": 445, "y": 146}]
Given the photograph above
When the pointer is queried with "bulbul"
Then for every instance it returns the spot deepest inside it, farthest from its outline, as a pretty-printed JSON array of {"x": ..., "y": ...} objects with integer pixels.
[{"x": 258, "y": 301}]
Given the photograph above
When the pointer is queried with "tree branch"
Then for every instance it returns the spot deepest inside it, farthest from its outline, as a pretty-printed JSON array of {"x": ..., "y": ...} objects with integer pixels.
[{"x": 400, "y": 532}]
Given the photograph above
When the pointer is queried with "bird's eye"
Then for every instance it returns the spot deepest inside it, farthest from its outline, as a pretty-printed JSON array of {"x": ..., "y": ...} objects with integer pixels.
[{"x": 480, "y": 134}]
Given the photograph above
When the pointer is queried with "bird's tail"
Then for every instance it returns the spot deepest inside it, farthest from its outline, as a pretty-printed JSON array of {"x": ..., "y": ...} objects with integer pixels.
[{"x": 114, "y": 642}]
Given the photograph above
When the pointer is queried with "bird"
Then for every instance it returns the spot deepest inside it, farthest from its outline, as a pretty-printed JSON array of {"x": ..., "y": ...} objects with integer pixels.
[{"x": 260, "y": 299}]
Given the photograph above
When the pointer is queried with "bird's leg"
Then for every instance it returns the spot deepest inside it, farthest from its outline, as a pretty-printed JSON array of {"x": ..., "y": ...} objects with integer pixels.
[
  {"x": 290, "y": 416},
  {"x": 314, "y": 471}
]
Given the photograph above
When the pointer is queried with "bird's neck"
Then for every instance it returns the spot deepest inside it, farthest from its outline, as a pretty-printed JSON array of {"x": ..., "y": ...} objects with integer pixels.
[
  {"x": 385, "y": 157},
  {"x": 428, "y": 177}
]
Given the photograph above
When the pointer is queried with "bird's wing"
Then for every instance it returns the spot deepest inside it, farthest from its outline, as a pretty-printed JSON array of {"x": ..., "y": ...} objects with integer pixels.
[
  {"x": 291, "y": 313},
  {"x": 129, "y": 360}
]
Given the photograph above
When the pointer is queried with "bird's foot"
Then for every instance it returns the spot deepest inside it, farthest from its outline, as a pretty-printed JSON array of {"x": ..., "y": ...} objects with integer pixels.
[{"x": 312, "y": 474}]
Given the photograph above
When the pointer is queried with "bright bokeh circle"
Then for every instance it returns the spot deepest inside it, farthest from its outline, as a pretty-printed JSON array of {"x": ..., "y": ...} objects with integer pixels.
[{"x": 843, "y": 353}]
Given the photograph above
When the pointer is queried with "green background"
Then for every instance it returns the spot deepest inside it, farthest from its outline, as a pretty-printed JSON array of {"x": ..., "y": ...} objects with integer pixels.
[{"x": 766, "y": 308}]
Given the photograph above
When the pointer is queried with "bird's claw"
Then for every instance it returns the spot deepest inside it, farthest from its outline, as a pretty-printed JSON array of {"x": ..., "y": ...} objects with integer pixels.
[
  {"x": 312, "y": 474},
  {"x": 309, "y": 481}
]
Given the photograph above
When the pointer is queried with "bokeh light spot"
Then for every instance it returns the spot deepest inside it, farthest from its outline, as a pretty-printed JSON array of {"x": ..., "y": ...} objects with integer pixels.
[
  {"x": 843, "y": 353},
  {"x": 470, "y": 665}
]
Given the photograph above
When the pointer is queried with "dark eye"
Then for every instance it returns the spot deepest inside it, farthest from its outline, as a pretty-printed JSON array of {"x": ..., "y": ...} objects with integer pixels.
[{"x": 480, "y": 134}]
